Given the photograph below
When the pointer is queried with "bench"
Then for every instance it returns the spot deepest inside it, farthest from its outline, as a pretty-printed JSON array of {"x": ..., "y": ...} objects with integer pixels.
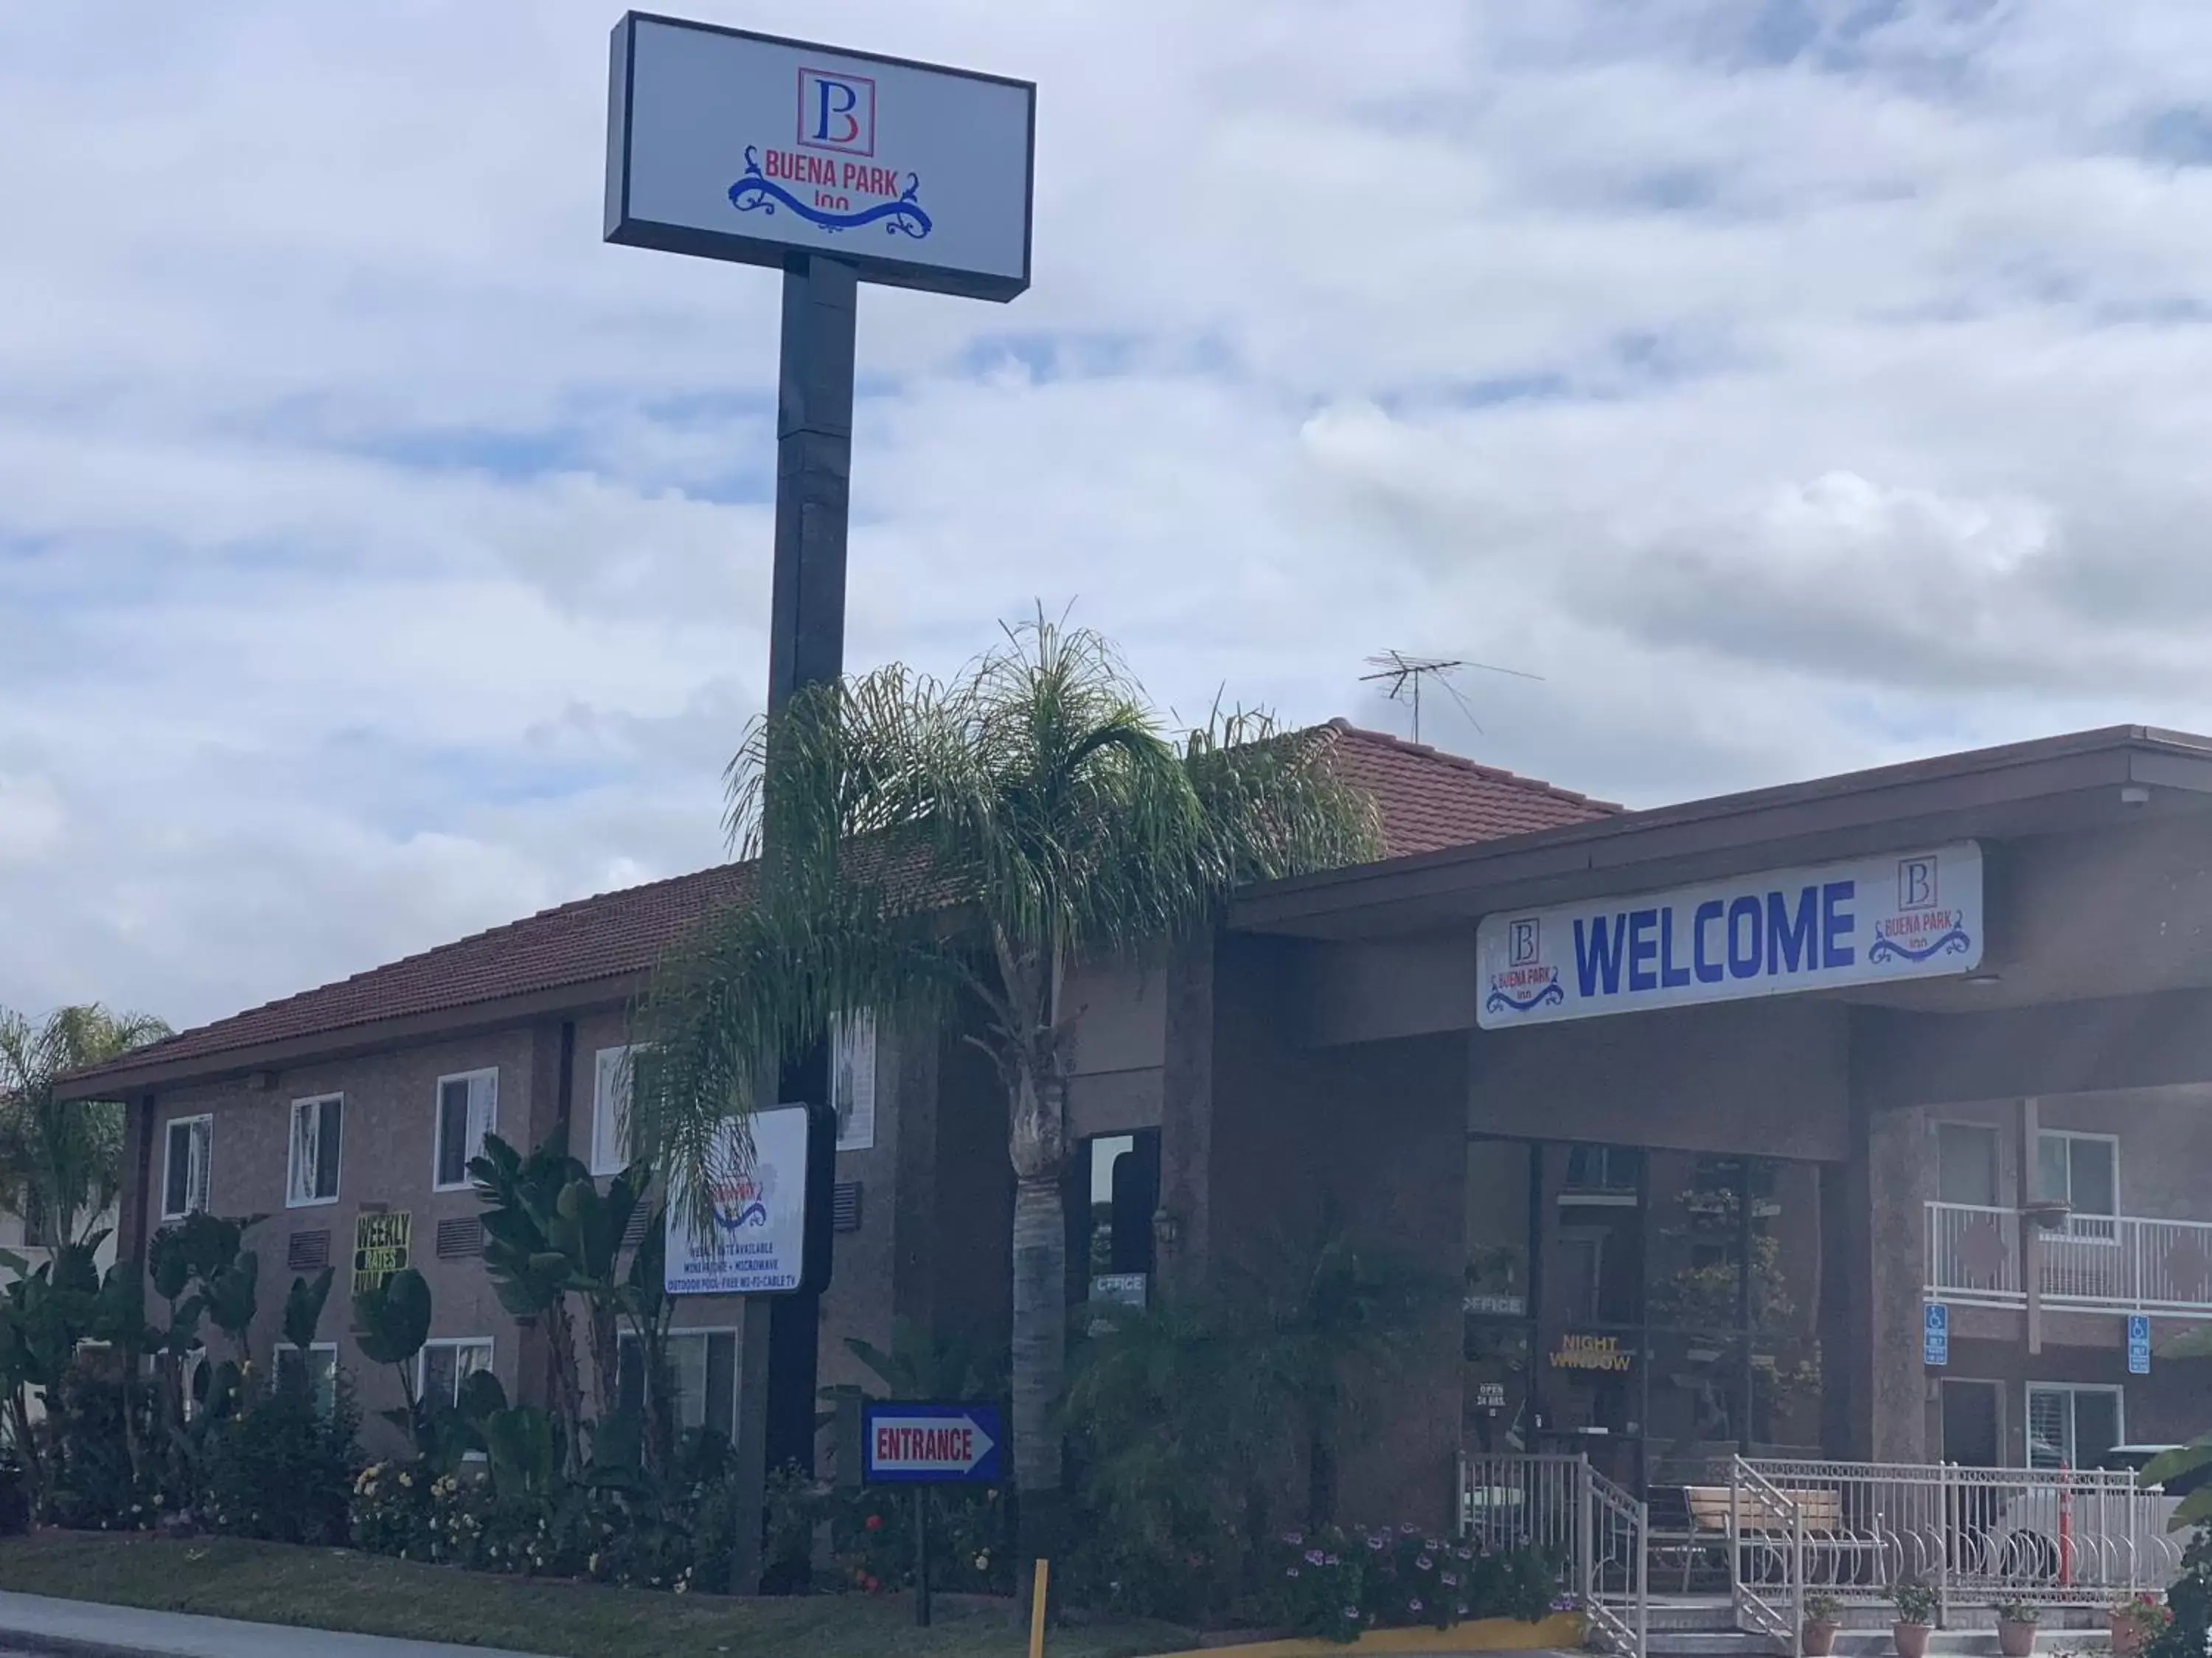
[{"x": 1756, "y": 1517}]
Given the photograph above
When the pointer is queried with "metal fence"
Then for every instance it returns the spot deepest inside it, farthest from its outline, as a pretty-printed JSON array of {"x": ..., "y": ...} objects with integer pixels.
[
  {"x": 1976, "y": 1536},
  {"x": 1596, "y": 1530}
]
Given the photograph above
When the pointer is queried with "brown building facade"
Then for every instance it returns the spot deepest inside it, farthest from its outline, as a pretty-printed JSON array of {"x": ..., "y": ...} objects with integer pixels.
[{"x": 1677, "y": 1233}]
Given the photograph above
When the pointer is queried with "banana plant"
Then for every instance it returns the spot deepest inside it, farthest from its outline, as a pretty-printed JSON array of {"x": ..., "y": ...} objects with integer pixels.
[
  {"x": 2195, "y": 1508},
  {"x": 394, "y": 1321}
]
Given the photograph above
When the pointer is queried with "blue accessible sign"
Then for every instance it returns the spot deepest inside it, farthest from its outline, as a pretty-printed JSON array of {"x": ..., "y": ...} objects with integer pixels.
[
  {"x": 1936, "y": 1334},
  {"x": 2138, "y": 1344},
  {"x": 929, "y": 1444}
]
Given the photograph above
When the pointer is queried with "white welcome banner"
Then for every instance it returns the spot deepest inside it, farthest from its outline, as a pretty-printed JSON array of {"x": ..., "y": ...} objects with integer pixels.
[{"x": 1900, "y": 916}]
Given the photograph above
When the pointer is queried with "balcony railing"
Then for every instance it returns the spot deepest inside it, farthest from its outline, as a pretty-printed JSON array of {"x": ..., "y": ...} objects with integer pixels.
[{"x": 2126, "y": 1263}]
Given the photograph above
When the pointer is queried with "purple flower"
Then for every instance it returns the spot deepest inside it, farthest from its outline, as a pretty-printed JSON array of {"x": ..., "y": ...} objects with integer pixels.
[
  {"x": 1409, "y": 1529},
  {"x": 1414, "y": 1605},
  {"x": 1464, "y": 1553},
  {"x": 1314, "y": 1557},
  {"x": 1330, "y": 1560},
  {"x": 1425, "y": 1564},
  {"x": 1353, "y": 1612},
  {"x": 1290, "y": 1571},
  {"x": 1375, "y": 1543},
  {"x": 1449, "y": 1579},
  {"x": 1293, "y": 1539}
]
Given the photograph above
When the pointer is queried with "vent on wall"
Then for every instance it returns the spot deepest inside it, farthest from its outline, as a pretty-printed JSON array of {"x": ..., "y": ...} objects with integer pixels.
[
  {"x": 634, "y": 1233},
  {"x": 307, "y": 1252},
  {"x": 459, "y": 1238},
  {"x": 845, "y": 1206}
]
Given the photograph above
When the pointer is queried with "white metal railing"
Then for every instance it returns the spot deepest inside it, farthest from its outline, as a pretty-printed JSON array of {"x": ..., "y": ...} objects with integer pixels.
[
  {"x": 1974, "y": 1254},
  {"x": 1597, "y": 1531},
  {"x": 1766, "y": 1556},
  {"x": 2105, "y": 1263},
  {"x": 1976, "y": 1536}
]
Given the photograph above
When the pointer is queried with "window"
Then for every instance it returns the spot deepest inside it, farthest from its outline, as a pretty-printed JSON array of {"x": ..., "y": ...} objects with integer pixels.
[
  {"x": 317, "y": 1127},
  {"x": 446, "y": 1362},
  {"x": 1966, "y": 1164},
  {"x": 2072, "y": 1426},
  {"x": 852, "y": 1079},
  {"x": 610, "y": 1091},
  {"x": 2082, "y": 1171},
  {"x": 184, "y": 1167},
  {"x": 1603, "y": 1175},
  {"x": 468, "y": 1109},
  {"x": 318, "y": 1365},
  {"x": 703, "y": 1368}
]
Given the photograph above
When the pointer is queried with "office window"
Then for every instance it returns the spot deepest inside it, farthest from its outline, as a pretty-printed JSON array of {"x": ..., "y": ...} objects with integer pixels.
[
  {"x": 1966, "y": 1164},
  {"x": 702, "y": 1368},
  {"x": 2082, "y": 1171},
  {"x": 468, "y": 1109},
  {"x": 610, "y": 1092},
  {"x": 2072, "y": 1426},
  {"x": 316, "y": 1367},
  {"x": 444, "y": 1362},
  {"x": 317, "y": 1132},
  {"x": 184, "y": 1168}
]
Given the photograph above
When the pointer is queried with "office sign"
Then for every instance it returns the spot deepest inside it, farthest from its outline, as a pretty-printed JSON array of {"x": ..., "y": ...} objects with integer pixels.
[
  {"x": 380, "y": 1243},
  {"x": 1935, "y": 1334},
  {"x": 762, "y": 1231},
  {"x": 929, "y": 1444},
  {"x": 2138, "y": 1344},
  {"x": 1872, "y": 920},
  {"x": 747, "y": 147}
]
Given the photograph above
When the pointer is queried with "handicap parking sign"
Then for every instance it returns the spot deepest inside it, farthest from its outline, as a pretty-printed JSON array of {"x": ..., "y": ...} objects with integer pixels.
[
  {"x": 2138, "y": 1344},
  {"x": 1936, "y": 1334}
]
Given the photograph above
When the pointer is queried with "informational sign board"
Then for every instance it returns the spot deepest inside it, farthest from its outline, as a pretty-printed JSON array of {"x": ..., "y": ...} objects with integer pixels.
[
  {"x": 1936, "y": 1334},
  {"x": 1490, "y": 1396},
  {"x": 747, "y": 147},
  {"x": 908, "y": 1444},
  {"x": 1596, "y": 1353},
  {"x": 1119, "y": 1289},
  {"x": 764, "y": 1232},
  {"x": 2138, "y": 1344},
  {"x": 1907, "y": 915},
  {"x": 380, "y": 1244}
]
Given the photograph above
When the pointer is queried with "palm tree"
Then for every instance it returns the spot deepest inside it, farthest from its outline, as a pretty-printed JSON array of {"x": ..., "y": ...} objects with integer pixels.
[
  {"x": 940, "y": 850},
  {"x": 60, "y": 1165}
]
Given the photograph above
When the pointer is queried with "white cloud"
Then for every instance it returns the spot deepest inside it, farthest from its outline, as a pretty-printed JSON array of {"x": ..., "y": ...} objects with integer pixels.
[{"x": 1794, "y": 384}]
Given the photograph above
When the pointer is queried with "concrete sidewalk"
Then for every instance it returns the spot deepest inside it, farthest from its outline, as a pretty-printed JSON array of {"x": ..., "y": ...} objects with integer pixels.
[{"x": 86, "y": 1629}]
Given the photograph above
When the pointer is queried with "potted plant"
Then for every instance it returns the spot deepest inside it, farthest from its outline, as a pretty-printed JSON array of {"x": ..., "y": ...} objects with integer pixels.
[
  {"x": 2016, "y": 1628},
  {"x": 1916, "y": 1617},
  {"x": 2137, "y": 1620},
  {"x": 1823, "y": 1617}
]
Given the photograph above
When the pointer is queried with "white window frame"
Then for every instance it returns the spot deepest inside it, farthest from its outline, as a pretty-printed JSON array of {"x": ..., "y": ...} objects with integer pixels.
[
  {"x": 853, "y": 1039},
  {"x": 737, "y": 1340},
  {"x": 609, "y": 1151},
  {"x": 423, "y": 1361},
  {"x": 207, "y": 1164},
  {"x": 316, "y": 1102},
  {"x": 488, "y": 1075},
  {"x": 2114, "y": 1391},
  {"x": 2089, "y": 1228},
  {"x": 312, "y": 1349}
]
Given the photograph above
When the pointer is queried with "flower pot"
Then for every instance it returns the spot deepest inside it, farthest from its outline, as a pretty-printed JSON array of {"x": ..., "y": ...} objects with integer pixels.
[
  {"x": 1820, "y": 1638},
  {"x": 2016, "y": 1637},
  {"x": 1911, "y": 1639},
  {"x": 2127, "y": 1638}
]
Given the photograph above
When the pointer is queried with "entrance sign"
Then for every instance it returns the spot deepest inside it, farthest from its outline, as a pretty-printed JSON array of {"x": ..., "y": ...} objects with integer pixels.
[
  {"x": 2138, "y": 1344},
  {"x": 748, "y": 146},
  {"x": 1936, "y": 1334},
  {"x": 929, "y": 1444},
  {"x": 1872, "y": 920},
  {"x": 759, "y": 1232}
]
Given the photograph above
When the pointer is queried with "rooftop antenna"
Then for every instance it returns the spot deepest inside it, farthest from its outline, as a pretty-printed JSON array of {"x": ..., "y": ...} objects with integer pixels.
[{"x": 1405, "y": 674}]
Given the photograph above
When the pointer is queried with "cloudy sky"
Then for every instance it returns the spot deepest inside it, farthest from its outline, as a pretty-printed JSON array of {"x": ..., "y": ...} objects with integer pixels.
[{"x": 1795, "y": 385}]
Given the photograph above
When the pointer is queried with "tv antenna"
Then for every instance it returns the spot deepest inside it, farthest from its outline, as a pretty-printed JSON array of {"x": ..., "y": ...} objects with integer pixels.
[{"x": 1405, "y": 672}]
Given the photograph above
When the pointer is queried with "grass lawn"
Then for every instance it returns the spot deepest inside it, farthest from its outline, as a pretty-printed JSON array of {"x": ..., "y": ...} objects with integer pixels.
[{"x": 339, "y": 1589}]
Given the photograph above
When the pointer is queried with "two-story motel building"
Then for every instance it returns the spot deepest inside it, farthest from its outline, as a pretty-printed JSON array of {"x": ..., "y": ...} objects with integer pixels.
[{"x": 1701, "y": 1107}]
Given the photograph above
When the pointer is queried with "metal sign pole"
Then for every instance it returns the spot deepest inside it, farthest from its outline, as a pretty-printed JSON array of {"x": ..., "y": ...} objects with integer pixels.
[
  {"x": 921, "y": 1557},
  {"x": 813, "y": 475}
]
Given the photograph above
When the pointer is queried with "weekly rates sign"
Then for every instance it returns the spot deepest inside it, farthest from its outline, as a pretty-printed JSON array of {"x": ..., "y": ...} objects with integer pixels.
[
  {"x": 733, "y": 145},
  {"x": 1915, "y": 915}
]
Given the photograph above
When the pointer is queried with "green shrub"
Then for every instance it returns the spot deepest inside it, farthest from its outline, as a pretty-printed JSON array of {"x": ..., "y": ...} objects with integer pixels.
[{"x": 280, "y": 1470}]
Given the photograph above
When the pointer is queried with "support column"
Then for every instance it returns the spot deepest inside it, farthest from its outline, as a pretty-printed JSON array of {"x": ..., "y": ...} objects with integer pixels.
[
  {"x": 1887, "y": 1183},
  {"x": 1183, "y": 1224}
]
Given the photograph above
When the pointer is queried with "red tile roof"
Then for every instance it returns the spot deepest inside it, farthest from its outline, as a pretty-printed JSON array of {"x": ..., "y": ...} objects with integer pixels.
[{"x": 1428, "y": 800}]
